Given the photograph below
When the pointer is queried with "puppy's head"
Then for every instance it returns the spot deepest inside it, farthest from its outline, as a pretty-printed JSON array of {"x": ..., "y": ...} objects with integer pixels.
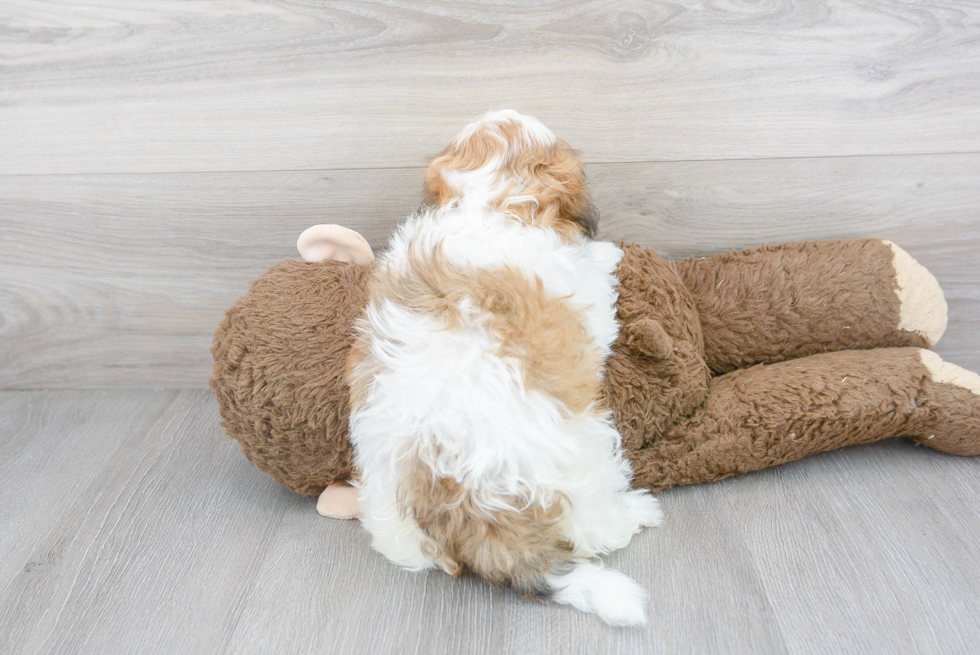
[{"x": 513, "y": 163}]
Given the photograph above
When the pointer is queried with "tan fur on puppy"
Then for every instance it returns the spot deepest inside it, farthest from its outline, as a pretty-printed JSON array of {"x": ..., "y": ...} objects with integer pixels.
[
  {"x": 541, "y": 183},
  {"x": 508, "y": 547},
  {"x": 544, "y": 334}
]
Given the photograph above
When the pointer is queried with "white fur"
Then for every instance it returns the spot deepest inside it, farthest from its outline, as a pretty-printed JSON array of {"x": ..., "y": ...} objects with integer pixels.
[
  {"x": 448, "y": 396},
  {"x": 610, "y": 594},
  {"x": 532, "y": 130}
]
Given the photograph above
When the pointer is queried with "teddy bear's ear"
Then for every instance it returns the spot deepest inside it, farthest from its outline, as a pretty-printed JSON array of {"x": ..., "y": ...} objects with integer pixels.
[
  {"x": 649, "y": 338},
  {"x": 333, "y": 242}
]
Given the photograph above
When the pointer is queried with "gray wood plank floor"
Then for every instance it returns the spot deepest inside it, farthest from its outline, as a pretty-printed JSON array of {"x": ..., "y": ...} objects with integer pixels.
[{"x": 130, "y": 523}]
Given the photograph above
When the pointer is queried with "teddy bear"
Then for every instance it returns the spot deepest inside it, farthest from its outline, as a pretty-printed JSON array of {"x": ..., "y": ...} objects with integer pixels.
[{"x": 723, "y": 365}]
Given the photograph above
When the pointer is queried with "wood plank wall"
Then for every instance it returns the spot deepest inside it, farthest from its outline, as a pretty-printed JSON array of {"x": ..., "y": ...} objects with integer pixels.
[{"x": 157, "y": 156}]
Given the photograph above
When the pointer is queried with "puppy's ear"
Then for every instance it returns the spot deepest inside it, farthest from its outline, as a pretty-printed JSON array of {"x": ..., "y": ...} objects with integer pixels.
[
  {"x": 587, "y": 216},
  {"x": 333, "y": 242},
  {"x": 436, "y": 189}
]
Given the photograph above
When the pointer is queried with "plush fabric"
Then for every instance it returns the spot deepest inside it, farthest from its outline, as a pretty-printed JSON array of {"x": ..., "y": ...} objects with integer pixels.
[
  {"x": 771, "y": 414},
  {"x": 810, "y": 344},
  {"x": 279, "y": 371},
  {"x": 785, "y": 301}
]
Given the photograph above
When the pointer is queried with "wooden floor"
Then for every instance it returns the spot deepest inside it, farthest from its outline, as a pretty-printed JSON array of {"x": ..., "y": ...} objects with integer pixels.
[
  {"x": 132, "y": 525},
  {"x": 156, "y": 156}
]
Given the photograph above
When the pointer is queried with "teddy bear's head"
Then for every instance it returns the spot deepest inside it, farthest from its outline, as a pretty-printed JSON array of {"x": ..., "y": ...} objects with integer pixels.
[{"x": 280, "y": 356}]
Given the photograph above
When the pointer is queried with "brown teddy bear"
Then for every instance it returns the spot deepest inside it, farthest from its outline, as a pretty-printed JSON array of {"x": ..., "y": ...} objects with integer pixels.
[{"x": 724, "y": 365}]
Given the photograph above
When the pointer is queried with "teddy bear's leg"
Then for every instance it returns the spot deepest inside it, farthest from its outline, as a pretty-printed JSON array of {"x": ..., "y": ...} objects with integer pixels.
[
  {"x": 781, "y": 302},
  {"x": 770, "y": 414}
]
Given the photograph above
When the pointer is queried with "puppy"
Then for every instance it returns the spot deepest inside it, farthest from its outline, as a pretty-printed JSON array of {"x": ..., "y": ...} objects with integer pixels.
[{"x": 478, "y": 433}]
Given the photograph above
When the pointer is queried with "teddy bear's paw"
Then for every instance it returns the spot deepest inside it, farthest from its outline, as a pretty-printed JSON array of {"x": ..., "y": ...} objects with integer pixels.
[
  {"x": 922, "y": 303},
  {"x": 644, "y": 509},
  {"x": 955, "y": 393},
  {"x": 943, "y": 372}
]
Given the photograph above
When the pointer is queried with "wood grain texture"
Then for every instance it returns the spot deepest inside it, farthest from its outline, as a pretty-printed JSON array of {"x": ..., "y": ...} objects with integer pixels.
[
  {"x": 119, "y": 280},
  {"x": 154, "y": 547},
  {"x": 172, "y": 86},
  {"x": 432, "y": 613},
  {"x": 34, "y": 496},
  {"x": 841, "y": 533},
  {"x": 130, "y": 523}
]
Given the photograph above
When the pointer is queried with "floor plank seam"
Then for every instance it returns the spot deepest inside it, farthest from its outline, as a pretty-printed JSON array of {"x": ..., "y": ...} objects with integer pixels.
[{"x": 629, "y": 162}]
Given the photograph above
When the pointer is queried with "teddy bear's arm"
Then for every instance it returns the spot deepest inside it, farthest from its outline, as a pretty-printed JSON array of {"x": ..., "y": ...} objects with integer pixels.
[
  {"x": 339, "y": 501},
  {"x": 771, "y": 414},
  {"x": 780, "y": 302}
]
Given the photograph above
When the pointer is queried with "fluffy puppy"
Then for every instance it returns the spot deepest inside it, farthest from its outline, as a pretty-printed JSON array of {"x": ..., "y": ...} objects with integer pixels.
[{"x": 478, "y": 434}]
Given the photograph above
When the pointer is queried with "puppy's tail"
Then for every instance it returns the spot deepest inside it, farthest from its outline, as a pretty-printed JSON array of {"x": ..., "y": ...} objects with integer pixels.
[{"x": 590, "y": 587}]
